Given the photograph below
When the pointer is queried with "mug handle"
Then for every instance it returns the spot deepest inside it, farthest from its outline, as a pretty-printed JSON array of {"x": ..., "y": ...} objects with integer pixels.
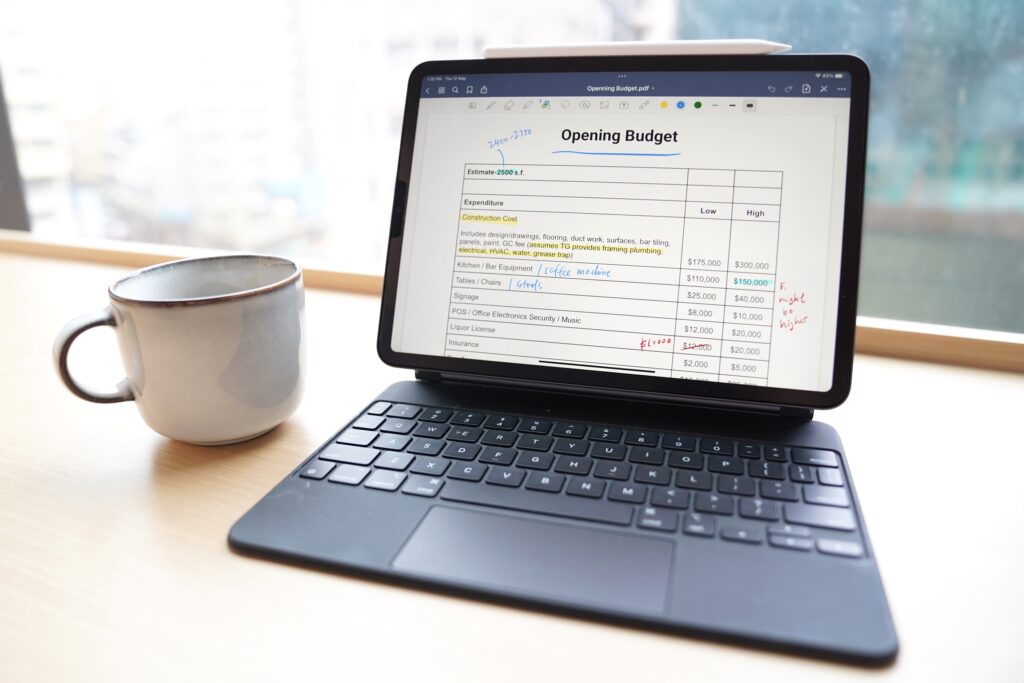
[{"x": 61, "y": 347}]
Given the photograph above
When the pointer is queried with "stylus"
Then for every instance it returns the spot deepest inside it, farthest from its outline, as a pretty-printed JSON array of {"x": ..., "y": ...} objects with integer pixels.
[{"x": 732, "y": 46}]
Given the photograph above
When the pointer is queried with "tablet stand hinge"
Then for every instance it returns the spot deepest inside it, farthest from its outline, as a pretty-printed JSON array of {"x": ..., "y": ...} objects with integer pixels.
[
  {"x": 428, "y": 376},
  {"x": 791, "y": 412}
]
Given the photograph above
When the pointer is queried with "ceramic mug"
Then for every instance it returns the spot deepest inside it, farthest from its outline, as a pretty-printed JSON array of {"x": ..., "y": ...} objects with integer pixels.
[{"x": 214, "y": 348}]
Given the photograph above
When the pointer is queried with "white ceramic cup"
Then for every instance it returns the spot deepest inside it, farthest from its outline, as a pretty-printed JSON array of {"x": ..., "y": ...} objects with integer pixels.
[{"x": 214, "y": 348}]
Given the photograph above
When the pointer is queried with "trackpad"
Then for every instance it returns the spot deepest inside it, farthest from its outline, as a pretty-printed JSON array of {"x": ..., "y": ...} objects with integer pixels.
[{"x": 548, "y": 560}]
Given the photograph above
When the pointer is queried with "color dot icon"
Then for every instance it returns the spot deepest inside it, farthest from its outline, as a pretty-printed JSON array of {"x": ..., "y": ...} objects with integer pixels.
[
  {"x": 664, "y": 104},
  {"x": 697, "y": 104},
  {"x": 680, "y": 104}
]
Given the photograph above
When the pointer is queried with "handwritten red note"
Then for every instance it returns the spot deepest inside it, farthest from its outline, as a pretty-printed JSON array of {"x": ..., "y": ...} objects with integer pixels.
[{"x": 792, "y": 314}]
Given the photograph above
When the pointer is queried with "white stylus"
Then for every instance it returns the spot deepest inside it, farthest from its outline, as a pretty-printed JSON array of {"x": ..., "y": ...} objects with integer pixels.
[{"x": 732, "y": 46}]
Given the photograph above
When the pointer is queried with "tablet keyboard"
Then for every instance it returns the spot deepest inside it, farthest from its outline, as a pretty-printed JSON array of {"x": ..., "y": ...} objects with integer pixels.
[{"x": 776, "y": 495}]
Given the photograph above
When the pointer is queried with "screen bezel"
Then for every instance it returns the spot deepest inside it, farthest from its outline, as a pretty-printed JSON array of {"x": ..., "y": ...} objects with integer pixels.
[{"x": 851, "y": 242}]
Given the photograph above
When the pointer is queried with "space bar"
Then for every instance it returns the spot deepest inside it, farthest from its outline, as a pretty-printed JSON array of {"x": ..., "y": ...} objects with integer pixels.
[{"x": 544, "y": 503}]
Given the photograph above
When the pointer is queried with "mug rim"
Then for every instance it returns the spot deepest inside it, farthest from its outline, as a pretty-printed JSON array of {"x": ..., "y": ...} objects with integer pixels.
[{"x": 295, "y": 276}]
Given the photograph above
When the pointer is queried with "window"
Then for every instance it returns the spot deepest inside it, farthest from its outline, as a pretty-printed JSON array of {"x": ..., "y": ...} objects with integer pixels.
[{"x": 272, "y": 126}]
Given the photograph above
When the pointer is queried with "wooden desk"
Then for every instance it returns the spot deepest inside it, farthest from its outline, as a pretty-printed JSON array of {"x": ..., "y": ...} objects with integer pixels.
[{"x": 114, "y": 563}]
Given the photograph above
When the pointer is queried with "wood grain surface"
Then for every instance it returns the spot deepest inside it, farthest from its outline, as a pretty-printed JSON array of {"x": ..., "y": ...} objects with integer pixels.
[{"x": 114, "y": 564}]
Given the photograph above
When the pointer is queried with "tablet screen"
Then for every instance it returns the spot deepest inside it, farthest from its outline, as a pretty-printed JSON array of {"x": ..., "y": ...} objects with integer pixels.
[{"x": 684, "y": 225}]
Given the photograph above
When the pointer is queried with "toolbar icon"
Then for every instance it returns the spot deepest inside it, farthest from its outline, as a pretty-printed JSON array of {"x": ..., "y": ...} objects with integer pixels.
[
  {"x": 483, "y": 89},
  {"x": 604, "y": 104},
  {"x": 509, "y": 105},
  {"x": 623, "y": 104},
  {"x": 440, "y": 90},
  {"x": 545, "y": 104},
  {"x": 469, "y": 90},
  {"x": 788, "y": 88},
  {"x": 565, "y": 104},
  {"x": 805, "y": 88},
  {"x": 644, "y": 104},
  {"x": 455, "y": 90},
  {"x": 584, "y": 104}
]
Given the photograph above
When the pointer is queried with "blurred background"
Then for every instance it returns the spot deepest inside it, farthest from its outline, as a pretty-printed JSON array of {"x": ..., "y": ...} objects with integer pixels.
[{"x": 272, "y": 125}]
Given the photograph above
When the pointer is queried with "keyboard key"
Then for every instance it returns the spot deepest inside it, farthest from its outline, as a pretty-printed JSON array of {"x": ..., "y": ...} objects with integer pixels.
[
  {"x": 393, "y": 461},
  {"x": 436, "y": 414},
  {"x": 696, "y": 524},
  {"x": 392, "y": 442},
  {"x": 465, "y": 434},
  {"x": 403, "y": 410},
  {"x": 424, "y": 465},
  {"x": 646, "y": 456},
  {"x": 472, "y": 471},
  {"x": 609, "y": 451},
  {"x": 774, "y": 453},
  {"x": 426, "y": 446},
  {"x": 826, "y": 495},
  {"x": 694, "y": 480},
  {"x": 716, "y": 446},
  {"x": 505, "y": 476},
  {"x": 535, "y": 443},
  {"x": 586, "y": 488},
  {"x": 830, "y": 477},
  {"x": 758, "y": 508},
  {"x": 535, "y": 461},
  {"x": 368, "y": 422},
  {"x": 461, "y": 451},
  {"x": 789, "y": 530},
  {"x": 542, "y": 481},
  {"x": 725, "y": 464},
  {"x": 691, "y": 461},
  {"x": 628, "y": 493},
  {"x": 718, "y": 503},
  {"x": 354, "y": 455},
  {"x": 498, "y": 456},
  {"x": 468, "y": 419},
  {"x": 610, "y": 434},
  {"x": 385, "y": 480},
  {"x": 831, "y": 546},
  {"x": 431, "y": 430},
  {"x": 765, "y": 469},
  {"x": 421, "y": 485},
  {"x": 658, "y": 519},
  {"x": 504, "y": 422},
  {"x": 670, "y": 498},
  {"x": 653, "y": 475},
  {"x": 739, "y": 535},
  {"x": 356, "y": 437},
  {"x": 740, "y": 486},
  {"x": 568, "y": 464},
  {"x": 638, "y": 437},
  {"x": 817, "y": 515},
  {"x": 529, "y": 426},
  {"x": 612, "y": 470},
  {"x": 379, "y": 408},
  {"x": 396, "y": 426},
  {"x": 679, "y": 442},
  {"x": 539, "y": 502},
  {"x": 790, "y": 542},
  {"x": 571, "y": 446},
  {"x": 779, "y": 490},
  {"x": 352, "y": 475},
  {"x": 499, "y": 438},
  {"x": 316, "y": 469},
  {"x": 748, "y": 450},
  {"x": 815, "y": 456},
  {"x": 569, "y": 430},
  {"x": 801, "y": 473}
]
